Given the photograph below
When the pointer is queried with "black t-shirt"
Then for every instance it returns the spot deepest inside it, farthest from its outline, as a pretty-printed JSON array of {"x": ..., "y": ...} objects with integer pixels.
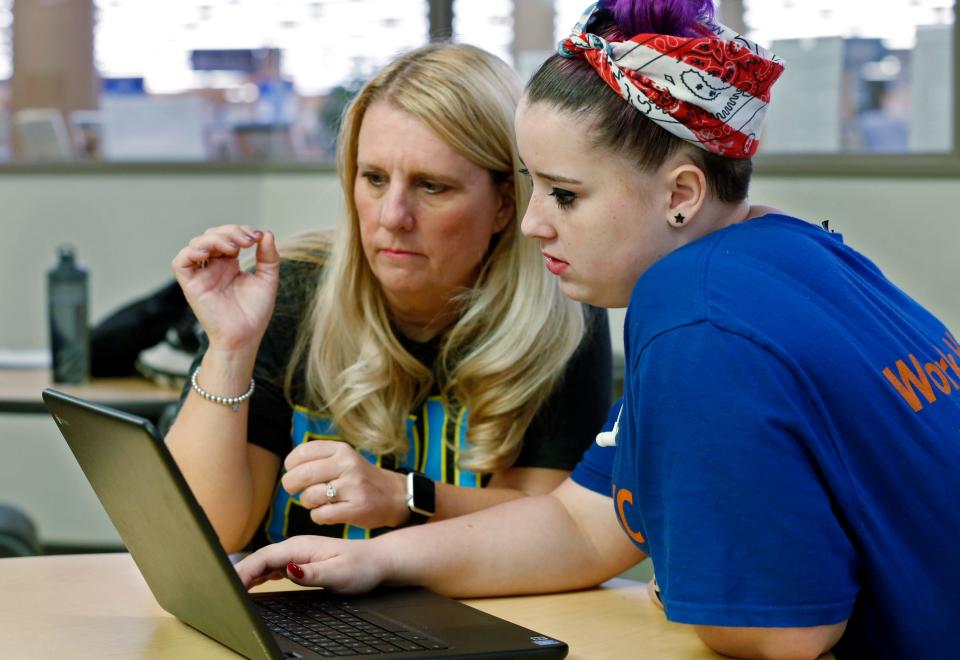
[{"x": 557, "y": 436}]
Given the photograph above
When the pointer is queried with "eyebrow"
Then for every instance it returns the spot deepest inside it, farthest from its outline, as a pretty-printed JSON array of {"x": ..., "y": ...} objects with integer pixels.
[
  {"x": 557, "y": 178},
  {"x": 552, "y": 177},
  {"x": 416, "y": 176}
]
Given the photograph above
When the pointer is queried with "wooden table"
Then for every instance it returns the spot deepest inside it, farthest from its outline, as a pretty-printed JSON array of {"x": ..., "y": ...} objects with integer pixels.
[
  {"x": 98, "y": 606},
  {"x": 20, "y": 392}
]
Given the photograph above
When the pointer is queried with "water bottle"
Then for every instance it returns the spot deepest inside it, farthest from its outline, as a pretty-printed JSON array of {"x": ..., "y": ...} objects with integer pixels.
[{"x": 69, "y": 332}]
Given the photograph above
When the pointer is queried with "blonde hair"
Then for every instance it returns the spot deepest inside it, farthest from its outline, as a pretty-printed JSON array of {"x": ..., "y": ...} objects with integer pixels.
[{"x": 515, "y": 332}]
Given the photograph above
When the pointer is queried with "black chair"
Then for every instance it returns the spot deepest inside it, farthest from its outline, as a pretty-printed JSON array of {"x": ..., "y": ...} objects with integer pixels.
[{"x": 18, "y": 534}]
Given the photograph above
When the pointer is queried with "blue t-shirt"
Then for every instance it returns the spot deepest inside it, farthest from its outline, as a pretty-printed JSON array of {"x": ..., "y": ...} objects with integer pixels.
[{"x": 788, "y": 452}]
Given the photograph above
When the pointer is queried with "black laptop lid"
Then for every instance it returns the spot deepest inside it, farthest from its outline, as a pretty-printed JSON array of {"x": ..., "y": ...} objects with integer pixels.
[
  {"x": 159, "y": 520},
  {"x": 181, "y": 559}
]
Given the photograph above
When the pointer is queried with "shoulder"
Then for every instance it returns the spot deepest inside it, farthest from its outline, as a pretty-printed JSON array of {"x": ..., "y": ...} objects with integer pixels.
[
  {"x": 731, "y": 277},
  {"x": 299, "y": 280},
  {"x": 769, "y": 244}
]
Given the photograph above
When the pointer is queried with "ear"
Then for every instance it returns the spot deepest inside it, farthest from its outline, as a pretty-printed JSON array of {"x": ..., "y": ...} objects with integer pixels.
[
  {"x": 507, "y": 208},
  {"x": 688, "y": 191}
]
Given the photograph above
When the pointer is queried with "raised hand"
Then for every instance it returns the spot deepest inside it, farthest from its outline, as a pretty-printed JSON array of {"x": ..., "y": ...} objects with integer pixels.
[
  {"x": 366, "y": 495},
  {"x": 232, "y": 305},
  {"x": 343, "y": 566}
]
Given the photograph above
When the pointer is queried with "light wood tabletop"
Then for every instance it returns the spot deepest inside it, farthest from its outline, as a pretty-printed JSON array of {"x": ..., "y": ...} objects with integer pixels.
[
  {"x": 20, "y": 391},
  {"x": 98, "y": 606}
]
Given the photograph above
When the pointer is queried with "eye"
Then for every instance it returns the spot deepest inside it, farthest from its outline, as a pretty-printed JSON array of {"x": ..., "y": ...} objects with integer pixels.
[
  {"x": 564, "y": 198},
  {"x": 524, "y": 171},
  {"x": 375, "y": 179},
  {"x": 433, "y": 187}
]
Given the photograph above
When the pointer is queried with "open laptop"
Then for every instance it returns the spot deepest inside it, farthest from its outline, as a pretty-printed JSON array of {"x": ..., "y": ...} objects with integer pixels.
[{"x": 182, "y": 561}]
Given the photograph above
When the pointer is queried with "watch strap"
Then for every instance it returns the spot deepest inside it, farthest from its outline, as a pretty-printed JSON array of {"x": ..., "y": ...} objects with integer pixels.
[
  {"x": 416, "y": 519},
  {"x": 421, "y": 497}
]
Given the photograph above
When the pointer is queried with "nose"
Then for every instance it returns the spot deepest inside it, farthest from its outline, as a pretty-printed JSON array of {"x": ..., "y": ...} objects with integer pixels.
[
  {"x": 396, "y": 212},
  {"x": 534, "y": 225}
]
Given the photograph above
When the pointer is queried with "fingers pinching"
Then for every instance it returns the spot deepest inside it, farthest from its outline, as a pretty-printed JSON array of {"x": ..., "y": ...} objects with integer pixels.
[
  {"x": 226, "y": 241},
  {"x": 190, "y": 258},
  {"x": 244, "y": 235},
  {"x": 268, "y": 258}
]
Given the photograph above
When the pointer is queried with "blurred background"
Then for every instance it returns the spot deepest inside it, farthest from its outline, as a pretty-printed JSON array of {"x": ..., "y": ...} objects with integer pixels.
[
  {"x": 129, "y": 126},
  {"x": 265, "y": 80}
]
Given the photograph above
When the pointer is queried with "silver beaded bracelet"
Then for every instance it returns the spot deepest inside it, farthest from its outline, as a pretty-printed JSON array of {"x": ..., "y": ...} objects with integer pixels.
[{"x": 232, "y": 401}]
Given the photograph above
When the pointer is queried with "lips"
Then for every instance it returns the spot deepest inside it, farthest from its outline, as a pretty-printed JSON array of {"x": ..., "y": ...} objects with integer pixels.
[
  {"x": 398, "y": 252},
  {"x": 554, "y": 265}
]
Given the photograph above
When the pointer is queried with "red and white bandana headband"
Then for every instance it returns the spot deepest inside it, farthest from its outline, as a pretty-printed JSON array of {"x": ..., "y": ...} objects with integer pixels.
[{"x": 712, "y": 91}]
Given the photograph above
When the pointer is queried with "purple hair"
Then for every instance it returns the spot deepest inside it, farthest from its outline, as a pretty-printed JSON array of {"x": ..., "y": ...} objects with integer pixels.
[{"x": 677, "y": 17}]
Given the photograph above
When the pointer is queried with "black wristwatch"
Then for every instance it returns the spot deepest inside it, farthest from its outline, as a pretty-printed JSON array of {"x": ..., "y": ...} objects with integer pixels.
[{"x": 421, "y": 497}]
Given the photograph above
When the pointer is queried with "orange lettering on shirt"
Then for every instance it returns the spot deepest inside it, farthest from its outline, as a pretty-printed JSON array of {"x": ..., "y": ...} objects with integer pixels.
[
  {"x": 951, "y": 361},
  {"x": 938, "y": 377},
  {"x": 910, "y": 379},
  {"x": 624, "y": 495},
  {"x": 945, "y": 368}
]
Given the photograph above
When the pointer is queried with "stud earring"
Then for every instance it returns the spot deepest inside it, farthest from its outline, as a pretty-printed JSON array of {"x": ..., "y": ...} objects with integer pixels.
[{"x": 677, "y": 220}]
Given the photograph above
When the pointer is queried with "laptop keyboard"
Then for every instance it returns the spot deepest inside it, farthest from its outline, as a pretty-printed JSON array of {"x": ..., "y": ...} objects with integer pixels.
[{"x": 332, "y": 629}]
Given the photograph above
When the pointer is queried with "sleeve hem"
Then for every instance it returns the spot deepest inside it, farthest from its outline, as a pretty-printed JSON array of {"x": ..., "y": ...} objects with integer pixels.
[
  {"x": 799, "y": 616},
  {"x": 591, "y": 480}
]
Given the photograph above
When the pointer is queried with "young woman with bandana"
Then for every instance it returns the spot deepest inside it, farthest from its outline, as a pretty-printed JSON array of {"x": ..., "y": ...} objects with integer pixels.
[{"x": 787, "y": 446}]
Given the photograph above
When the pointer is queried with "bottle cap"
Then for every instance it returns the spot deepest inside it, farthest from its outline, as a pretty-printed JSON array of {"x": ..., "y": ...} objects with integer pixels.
[{"x": 66, "y": 252}]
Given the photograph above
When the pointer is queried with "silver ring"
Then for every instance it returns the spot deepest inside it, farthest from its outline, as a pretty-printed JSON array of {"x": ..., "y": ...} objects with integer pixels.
[{"x": 331, "y": 493}]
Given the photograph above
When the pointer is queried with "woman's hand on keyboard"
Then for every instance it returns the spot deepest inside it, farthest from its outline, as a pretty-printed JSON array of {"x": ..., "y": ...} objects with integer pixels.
[{"x": 318, "y": 561}]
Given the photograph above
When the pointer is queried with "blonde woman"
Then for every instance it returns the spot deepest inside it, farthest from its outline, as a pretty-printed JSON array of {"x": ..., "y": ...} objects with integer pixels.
[{"x": 419, "y": 366}]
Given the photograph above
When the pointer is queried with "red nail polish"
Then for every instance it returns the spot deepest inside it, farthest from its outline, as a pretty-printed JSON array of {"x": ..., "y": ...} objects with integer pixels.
[{"x": 295, "y": 570}]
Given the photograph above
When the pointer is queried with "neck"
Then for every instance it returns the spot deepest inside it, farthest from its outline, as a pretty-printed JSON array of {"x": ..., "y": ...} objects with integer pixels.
[
  {"x": 719, "y": 214},
  {"x": 421, "y": 325},
  {"x": 756, "y": 211}
]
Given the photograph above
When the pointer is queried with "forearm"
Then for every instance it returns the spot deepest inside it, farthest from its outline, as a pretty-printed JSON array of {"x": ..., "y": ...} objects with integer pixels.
[
  {"x": 515, "y": 483},
  {"x": 209, "y": 443},
  {"x": 453, "y": 501},
  {"x": 530, "y": 545},
  {"x": 772, "y": 643}
]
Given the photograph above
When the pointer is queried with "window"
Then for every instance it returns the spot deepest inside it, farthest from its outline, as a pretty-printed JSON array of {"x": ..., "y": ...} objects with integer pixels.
[
  {"x": 240, "y": 79},
  {"x": 322, "y": 42},
  {"x": 858, "y": 78},
  {"x": 6, "y": 39},
  {"x": 566, "y": 14},
  {"x": 487, "y": 24},
  {"x": 266, "y": 79}
]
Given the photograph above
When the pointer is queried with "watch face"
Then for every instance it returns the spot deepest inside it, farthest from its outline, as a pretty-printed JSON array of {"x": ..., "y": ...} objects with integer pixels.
[{"x": 424, "y": 494}]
